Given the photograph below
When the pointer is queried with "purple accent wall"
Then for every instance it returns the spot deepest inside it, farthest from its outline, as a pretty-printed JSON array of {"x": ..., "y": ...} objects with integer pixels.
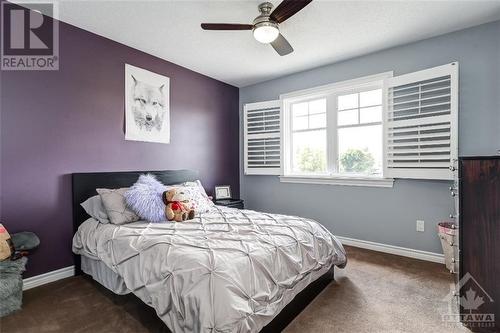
[{"x": 54, "y": 123}]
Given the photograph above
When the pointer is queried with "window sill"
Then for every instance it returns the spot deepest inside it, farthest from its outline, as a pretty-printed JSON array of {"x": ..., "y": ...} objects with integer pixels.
[{"x": 338, "y": 180}]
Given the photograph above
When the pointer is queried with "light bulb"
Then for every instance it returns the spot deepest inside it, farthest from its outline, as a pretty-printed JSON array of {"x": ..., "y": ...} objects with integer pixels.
[{"x": 266, "y": 33}]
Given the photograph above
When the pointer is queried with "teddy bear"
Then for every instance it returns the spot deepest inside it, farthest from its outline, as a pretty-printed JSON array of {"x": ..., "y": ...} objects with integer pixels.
[{"x": 178, "y": 206}]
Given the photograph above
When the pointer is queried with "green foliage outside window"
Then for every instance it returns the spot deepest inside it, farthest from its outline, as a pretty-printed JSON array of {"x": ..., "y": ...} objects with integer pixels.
[
  {"x": 353, "y": 160},
  {"x": 358, "y": 161},
  {"x": 311, "y": 160}
]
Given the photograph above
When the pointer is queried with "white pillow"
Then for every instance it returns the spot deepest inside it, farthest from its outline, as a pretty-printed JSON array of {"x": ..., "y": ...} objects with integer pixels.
[
  {"x": 197, "y": 183},
  {"x": 116, "y": 207},
  {"x": 94, "y": 207},
  {"x": 196, "y": 192}
]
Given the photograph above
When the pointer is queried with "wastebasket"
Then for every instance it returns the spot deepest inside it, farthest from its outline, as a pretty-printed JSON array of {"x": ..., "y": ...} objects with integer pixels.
[{"x": 448, "y": 232}]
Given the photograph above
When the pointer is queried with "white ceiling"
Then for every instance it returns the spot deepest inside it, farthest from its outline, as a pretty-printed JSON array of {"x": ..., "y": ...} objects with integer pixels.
[{"x": 323, "y": 32}]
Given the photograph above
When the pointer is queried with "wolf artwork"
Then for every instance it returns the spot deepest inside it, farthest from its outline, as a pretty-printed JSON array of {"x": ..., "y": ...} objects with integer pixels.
[{"x": 147, "y": 105}]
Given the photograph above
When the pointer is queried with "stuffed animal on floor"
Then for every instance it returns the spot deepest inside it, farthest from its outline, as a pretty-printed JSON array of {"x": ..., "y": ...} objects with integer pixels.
[
  {"x": 178, "y": 206},
  {"x": 6, "y": 248}
]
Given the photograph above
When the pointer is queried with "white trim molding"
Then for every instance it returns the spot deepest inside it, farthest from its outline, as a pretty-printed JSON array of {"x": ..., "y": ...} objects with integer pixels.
[
  {"x": 329, "y": 88},
  {"x": 48, "y": 277},
  {"x": 330, "y": 180},
  {"x": 391, "y": 249}
]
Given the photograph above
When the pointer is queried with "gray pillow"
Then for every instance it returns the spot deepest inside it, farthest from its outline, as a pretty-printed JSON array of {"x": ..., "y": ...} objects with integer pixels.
[
  {"x": 94, "y": 207},
  {"x": 116, "y": 207}
]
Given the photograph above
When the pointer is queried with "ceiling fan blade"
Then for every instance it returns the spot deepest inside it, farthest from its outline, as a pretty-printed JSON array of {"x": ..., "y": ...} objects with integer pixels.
[
  {"x": 288, "y": 8},
  {"x": 226, "y": 26},
  {"x": 281, "y": 45}
]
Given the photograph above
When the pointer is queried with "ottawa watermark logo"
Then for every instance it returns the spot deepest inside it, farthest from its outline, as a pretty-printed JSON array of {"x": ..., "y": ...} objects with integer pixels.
[
  {"x": 473, "y": 300},
  {"x": 30, "y": 36}
]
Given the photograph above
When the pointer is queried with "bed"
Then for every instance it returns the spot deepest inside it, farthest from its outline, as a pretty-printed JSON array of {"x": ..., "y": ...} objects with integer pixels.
[{"x": 229, "y": 270}]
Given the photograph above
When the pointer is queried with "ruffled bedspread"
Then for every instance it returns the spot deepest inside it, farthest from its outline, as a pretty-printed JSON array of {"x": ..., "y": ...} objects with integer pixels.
[{"x": 228, "y": 270}]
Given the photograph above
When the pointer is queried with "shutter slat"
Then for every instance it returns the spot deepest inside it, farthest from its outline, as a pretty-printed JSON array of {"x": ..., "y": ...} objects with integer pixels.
[
  {"x": 420, "y": 158},
  {"x": 264, "y": 115},
  {"x": 419, "y": 121},
  {"x": 269, "y": 146},
  {"x": 420, "y": 107},
  {"x": 417, "y": 143},
  {"x": 420, "y": 135},
  {"x": 393, "y": 152},
  {"x": 418, "y": 100},
  {"x": 412, "y": 128},
  {"x": 420, "y": 92},
  {"x": 265, "y": 124},
  {"x": 428, "y": 165},
  {"x": 396, "y": 89}
]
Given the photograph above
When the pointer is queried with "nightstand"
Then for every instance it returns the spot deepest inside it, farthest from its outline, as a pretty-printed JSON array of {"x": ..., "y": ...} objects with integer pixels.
[{"x": 233, "y": 203}]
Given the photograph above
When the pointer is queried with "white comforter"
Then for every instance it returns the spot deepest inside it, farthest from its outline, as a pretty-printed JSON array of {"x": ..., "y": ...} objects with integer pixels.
[{"x": 228, "y": 270}]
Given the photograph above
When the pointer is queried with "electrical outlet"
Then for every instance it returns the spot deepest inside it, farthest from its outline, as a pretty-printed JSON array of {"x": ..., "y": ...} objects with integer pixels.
[{"x": 420, "y": 225}]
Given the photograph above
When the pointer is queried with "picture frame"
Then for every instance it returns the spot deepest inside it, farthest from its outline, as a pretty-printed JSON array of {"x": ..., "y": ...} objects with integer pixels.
[
  {"x": 147, "y": 105},
  {"x": 222, "y": 192}
]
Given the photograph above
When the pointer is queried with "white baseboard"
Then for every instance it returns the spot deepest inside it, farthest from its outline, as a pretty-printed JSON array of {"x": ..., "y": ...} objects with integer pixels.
[
  {"x": 48, "y": 277},
  {"x": 397, "y": 250}
]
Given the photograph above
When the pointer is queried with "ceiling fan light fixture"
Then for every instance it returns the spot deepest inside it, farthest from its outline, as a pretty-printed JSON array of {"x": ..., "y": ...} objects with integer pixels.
[{"x": 266, "y": 32}]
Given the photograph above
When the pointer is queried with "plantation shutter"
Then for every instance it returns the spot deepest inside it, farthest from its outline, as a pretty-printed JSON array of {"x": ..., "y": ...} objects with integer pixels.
[
  {"x": 421, "y": 124},
  {"x": 262, "y": 138}
]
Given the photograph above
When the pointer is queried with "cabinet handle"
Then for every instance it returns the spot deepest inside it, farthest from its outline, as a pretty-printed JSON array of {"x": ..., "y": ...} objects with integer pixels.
[
  {"x": 453, "y": 193},
  {"x": 452, "y": 168}
]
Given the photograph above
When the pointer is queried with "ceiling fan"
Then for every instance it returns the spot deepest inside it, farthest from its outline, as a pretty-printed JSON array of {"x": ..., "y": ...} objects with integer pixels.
[{"x": 266, "y": 26}]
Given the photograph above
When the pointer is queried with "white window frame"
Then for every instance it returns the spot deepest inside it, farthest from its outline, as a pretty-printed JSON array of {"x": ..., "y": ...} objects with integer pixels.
[
  {"x": 291, "y": 131},
  {"x": 330, "y": 91}
]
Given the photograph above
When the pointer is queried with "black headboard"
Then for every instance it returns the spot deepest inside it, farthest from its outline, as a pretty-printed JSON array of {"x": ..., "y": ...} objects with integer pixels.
[{"x": 85, "y": 184}]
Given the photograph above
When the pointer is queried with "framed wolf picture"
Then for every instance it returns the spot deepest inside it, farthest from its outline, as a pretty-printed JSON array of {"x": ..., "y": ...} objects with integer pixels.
[{"x": 147, "y": 105}]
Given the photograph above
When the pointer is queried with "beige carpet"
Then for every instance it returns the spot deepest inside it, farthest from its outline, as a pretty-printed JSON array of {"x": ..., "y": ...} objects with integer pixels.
[
  {"x": 379, "y": 292},
  {"x": 375, "y": 293}
]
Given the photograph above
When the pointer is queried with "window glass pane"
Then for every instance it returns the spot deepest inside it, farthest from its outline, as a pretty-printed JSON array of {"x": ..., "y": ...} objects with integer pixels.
[
  {"x": 360, "y": 149},
  {"x": 371, "y": 115},
  {"x": 299, "y": 109},
  {"x": 347, "y": 117},
  {"x": 370, "y": 98},
  {"x": 300, "y": 123},
  {"x": 317, "y": 120},
  {"x": 317, "y": 106},
  {"x": 309, "y": 152},
  {"x": 347, "y": 102}
]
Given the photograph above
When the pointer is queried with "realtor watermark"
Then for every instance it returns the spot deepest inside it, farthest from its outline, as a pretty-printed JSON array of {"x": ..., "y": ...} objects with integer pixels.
[
  {"x": 30, "y": 36},
  {"x": 472, "y": 298}
]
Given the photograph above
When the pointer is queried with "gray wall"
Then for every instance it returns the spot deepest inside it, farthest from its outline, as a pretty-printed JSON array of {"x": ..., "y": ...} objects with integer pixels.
[{"x": 388, "y": 215}]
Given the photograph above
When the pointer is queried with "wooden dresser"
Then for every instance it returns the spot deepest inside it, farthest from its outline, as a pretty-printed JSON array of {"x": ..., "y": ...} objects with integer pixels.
[{"x": 479, "y": 193}]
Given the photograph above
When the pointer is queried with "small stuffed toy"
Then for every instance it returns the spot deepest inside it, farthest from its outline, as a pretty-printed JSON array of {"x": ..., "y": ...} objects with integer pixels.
[
  {"x": 6, "y": 247},
  {"x": 178, "y": 206}
]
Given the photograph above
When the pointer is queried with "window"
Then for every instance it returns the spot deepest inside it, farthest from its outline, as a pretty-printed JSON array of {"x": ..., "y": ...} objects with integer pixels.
[
  {"x": 359, "y": 132},
  {"x": 335, "y": 131},
  {"x": 308, "y": 137}
]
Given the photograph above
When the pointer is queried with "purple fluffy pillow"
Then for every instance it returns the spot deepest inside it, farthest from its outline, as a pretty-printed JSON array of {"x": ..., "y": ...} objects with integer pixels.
[{"x": 144, "y": 198}]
